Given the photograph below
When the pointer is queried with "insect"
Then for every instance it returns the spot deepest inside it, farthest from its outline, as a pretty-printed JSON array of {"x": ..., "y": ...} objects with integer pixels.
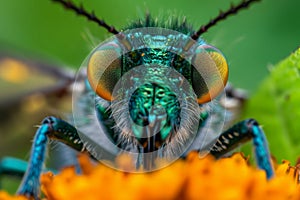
[{"x": 152, "y": 91}]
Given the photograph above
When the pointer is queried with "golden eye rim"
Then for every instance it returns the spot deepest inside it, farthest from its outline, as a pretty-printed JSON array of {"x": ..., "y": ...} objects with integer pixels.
[
  {"x": 222, "y": 68},
  {"x": 96, "y": 70}
]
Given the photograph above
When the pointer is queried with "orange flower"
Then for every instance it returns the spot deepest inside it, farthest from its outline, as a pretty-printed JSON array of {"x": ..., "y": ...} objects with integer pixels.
[
  {"x": 193, "y": 178},
  {"x": 5, "y": 196}
]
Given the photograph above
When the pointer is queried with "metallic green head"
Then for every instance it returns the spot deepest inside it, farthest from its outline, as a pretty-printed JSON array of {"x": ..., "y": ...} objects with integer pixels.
[{"x": 155, "y": 81}]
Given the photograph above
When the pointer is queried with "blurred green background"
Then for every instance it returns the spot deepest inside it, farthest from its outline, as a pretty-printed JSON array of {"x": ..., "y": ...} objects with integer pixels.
[{"x": 256, "y": 38}]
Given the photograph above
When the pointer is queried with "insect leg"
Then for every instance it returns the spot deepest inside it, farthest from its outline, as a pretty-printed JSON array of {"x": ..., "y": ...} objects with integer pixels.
[
  {"x": 52, "y": 128},
  {"x": 240, "y": 133},
  {"x": 12, "y": 166}
]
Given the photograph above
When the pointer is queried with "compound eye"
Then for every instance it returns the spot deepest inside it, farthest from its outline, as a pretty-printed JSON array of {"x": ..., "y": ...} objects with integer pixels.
[
  {"x": 104, "y": 69},
  {"x": 209, "y": 74}
]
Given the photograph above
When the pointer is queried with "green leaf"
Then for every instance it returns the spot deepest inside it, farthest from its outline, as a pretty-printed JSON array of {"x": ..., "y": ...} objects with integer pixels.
[{"x": 276, "y": 106}]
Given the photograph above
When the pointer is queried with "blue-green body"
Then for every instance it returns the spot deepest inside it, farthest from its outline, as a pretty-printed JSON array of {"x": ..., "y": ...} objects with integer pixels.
[
  {"x": 155, "y": 109},
  {"x": 156, "y": 93}
]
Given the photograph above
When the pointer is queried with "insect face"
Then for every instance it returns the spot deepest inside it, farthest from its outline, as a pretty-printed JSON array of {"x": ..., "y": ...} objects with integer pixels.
[
  {"x": 152, "y": 92},
  {"x": 153, "y": 82}
]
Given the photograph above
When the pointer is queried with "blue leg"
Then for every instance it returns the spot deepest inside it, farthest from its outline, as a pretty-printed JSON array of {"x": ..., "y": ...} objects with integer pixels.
[
  {"x": 51, "y": 128},
  {"x": 240, "y": 133},
  {"x": 12, "y": 166},
  {"x": 15, "y": 167}
]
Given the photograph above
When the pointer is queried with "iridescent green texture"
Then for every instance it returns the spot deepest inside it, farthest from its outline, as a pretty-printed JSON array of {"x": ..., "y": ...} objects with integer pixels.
[
  {"x": 153, "y": 90},
  {"x": 162, "y": 57},
  {"x": 156, "y": 107},
  {"x": 169, "y": 22}
]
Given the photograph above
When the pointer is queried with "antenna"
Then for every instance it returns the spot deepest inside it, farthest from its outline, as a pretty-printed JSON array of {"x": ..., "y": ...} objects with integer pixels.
[
  {"x": 222, "y": 15},
  {"x": 90, "y": 16}
]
